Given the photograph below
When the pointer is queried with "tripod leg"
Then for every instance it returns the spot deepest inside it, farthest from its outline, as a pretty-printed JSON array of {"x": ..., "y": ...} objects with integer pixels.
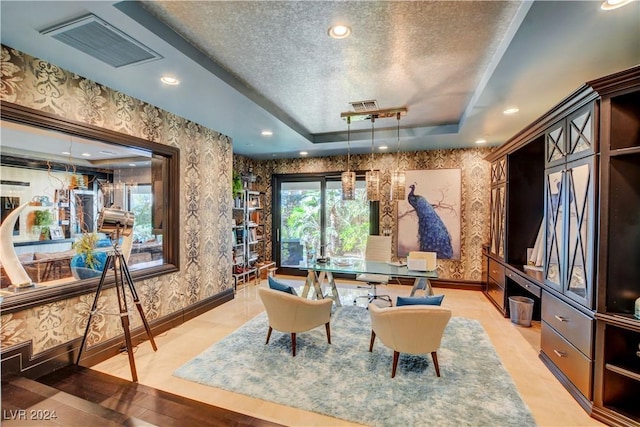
[
  {"x": 107, "y": 266},
  {"x": 136, "y": 300},
  {"x": 124, "y": 318}
]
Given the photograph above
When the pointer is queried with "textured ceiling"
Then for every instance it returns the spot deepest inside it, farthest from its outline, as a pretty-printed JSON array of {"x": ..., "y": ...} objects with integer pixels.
[
  {"x": 428, "y": 56},
  {"x": 249, "y": 66}
]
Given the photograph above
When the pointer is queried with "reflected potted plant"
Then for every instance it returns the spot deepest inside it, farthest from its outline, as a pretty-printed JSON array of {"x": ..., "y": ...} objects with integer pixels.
[
  {"x": 43, "y": 219},
  {"x": 88, "y": 262}
]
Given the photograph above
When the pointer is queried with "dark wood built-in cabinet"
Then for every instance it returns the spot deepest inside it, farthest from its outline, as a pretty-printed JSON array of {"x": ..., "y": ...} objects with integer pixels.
[{"x": 574, "y": 176}]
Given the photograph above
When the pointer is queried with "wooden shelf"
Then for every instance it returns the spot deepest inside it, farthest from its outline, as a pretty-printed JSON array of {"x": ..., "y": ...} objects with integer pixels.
[{"x": 626, "y": 368}]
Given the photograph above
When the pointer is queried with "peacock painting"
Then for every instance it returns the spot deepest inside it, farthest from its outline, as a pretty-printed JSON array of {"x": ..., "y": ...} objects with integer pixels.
[{"x": 429, "y": 218}]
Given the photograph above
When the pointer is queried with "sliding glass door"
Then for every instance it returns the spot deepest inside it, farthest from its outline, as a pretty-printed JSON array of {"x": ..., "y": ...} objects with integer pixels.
[{"x": 311, "y": 220}]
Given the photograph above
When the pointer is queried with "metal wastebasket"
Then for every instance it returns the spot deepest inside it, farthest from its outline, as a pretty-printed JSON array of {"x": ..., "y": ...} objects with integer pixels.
[{"x": 521, "y": 310}]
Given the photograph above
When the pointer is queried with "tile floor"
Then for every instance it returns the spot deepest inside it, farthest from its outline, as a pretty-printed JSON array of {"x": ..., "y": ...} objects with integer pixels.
[{"x": 517, "y": 347}]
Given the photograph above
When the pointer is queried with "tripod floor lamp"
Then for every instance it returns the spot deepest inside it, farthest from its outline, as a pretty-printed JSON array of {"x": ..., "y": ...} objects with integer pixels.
[{"x": 117, "y": 223}]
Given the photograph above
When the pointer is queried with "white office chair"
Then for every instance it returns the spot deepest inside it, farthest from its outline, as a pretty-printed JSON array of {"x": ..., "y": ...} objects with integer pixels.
[{"x": 378, "y": 249}]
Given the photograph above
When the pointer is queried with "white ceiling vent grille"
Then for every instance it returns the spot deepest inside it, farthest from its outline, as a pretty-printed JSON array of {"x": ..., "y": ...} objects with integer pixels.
[
  {"x": 103, "y": 41},
  {"x": 362, "y": 106}
]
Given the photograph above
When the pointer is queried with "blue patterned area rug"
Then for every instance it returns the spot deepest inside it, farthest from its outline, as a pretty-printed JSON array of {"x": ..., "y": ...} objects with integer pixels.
[{"x": 345, "y": 381}]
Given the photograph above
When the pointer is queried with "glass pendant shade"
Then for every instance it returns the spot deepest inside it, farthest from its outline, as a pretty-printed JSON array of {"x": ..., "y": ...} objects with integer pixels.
[
  {"x": 348, "y": 185},
  {"x": 348, "y": 178},
  {"x": 397, "y": 185},
  {"x": 373, "y": 185}
]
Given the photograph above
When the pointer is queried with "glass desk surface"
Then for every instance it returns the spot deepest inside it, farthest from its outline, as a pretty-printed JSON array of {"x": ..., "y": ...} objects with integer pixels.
[
  {"x": 317, "y": 272},
  {"x": 354, "y": 266}
]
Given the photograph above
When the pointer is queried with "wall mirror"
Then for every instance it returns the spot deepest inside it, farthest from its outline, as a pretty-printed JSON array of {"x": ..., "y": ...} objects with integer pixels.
[{"x": 67, "y": 172}]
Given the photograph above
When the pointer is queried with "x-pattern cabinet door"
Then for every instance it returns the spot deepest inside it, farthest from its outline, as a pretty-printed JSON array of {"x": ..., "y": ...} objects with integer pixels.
[
  {"x": 554, "y": 227},
  {"x": 579, "y": 179},
  {"x": 569, "y": 205}
]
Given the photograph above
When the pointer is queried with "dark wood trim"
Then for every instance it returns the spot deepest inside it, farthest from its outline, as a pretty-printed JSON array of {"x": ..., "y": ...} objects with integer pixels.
[
  {"x": 571, "y": 103},
  {"x": 612, "y": 418},
  {"x": 588, "y": 92},
  {"x": 19, "y": 359},
  {"x": 585, "y": 403},
  {"x": 35, "y": 296},
  {"x": 468, "y": 285}
]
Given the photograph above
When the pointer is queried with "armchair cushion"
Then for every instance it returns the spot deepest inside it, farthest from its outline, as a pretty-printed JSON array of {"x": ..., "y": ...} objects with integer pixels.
[
  {"x": 290, "y": 313},
  {"x": 427, "y": 300},
  {"x": 280, "y": 286}
]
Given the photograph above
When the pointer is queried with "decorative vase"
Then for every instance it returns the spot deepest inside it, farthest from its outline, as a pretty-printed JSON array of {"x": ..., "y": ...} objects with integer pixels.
[{"x": 80, "y": 270}]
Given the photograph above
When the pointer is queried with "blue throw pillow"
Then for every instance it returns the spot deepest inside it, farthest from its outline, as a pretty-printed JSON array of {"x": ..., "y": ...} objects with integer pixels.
[
  {"x": 428, "y": 300},
  {"x": 279, "y": 286}
]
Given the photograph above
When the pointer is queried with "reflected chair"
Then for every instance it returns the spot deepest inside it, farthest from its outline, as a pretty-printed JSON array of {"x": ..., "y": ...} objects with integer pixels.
[
  {"x": 412, "y": 329},
  {"x": 378, "y": 249},
  {"x": 293, "y": 314}
]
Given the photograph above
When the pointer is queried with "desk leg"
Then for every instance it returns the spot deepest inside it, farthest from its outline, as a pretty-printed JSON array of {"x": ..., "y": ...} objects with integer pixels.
[
  {"x": 311, "y": 277},
  {"x": 334, "y": 289},
  {"x": 422, "y": 283},
  {"x": 317, "y": 284}
]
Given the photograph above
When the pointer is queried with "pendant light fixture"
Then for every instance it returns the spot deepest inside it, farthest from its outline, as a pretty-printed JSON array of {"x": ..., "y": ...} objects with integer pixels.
[
  {"x": 348, "y": 178},
  {"x": 398, "y": 176},
  {"x": 372, "y": 177}
]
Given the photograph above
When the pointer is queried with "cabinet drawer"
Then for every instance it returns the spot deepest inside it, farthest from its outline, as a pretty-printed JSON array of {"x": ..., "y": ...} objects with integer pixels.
[
  {"x": 524, "y": 283},
  {"x": 575, "y": 365},
  {"x": 573, "y": 325},
  {"x": 496, "y": 293},
  {"x": 496, "y": 272}
]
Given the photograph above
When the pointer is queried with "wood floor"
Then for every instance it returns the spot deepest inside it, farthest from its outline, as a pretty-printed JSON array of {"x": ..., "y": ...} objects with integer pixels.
[
  {"x": 78, "y": 396},
  {"x": 518, "y": 348}
]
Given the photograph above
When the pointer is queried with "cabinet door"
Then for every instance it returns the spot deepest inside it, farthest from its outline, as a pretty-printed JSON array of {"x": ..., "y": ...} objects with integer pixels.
[
  {"x": 499, "y": 170},
  {"x": 579, "y": 213},
  {"x": 581, "y": 135},
  {"x": 555, "y": 144},
  {"x": 554, "y": 227},
  {"x": 498, "y": 220}
]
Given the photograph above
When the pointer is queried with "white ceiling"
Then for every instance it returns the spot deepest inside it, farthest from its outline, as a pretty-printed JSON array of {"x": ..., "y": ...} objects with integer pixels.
[{"x": 249, "y": 66}]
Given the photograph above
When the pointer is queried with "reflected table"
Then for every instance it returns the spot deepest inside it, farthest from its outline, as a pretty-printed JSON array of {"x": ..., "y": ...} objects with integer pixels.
[{"x": 317, "y": 272}]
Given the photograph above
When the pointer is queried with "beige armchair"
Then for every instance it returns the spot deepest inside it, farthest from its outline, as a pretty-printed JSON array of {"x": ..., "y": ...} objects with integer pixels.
[
  {"x": 293, "y": 314},
  {"x": 413, "y": 329}
]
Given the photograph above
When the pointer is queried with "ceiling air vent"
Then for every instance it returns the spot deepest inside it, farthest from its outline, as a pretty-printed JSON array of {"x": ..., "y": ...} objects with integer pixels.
[
  {"x": 363, "y": 106},
  {"x": 103, "y": 41}
]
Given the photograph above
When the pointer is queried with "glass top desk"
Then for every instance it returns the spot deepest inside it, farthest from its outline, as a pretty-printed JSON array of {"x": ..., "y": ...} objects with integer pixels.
[{"x": 318, "y": 271}]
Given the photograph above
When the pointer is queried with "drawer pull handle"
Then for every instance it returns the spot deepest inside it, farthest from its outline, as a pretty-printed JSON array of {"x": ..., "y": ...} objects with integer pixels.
[
  {"x": 559, "y": 353},
  {"x": 494, "y": 271},
  {"x": 560, "y": 318}
]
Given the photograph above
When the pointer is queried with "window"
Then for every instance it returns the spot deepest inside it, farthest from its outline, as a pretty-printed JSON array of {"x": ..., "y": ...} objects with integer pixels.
[
  {"x": 311, "y": 219},
  {"x": 66, "y": 173}
]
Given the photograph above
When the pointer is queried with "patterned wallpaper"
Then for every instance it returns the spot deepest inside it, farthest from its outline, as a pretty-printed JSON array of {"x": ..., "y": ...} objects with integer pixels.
[
  {"x": 205, "y": 201},
  {"x": 475, "y": 194}
]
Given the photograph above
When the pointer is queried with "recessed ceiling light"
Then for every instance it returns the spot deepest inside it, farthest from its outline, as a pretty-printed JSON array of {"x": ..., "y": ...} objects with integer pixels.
[
  {"x": 66, "y": 153},
  {"x": 481, "y": 141},
  {"x": 110, "y": 153},
  {"x": 132, "y": 164},
  {"x": 383, "y": 147},
  {"x": 170, "y": 80},
  {"x": 86, "y": 154},
  {"x": 303, "y": 153},
  {"x": 339, "y": 31},
  {"x": 266, "y": 133},
  {"x": 614, "y": 4},
  {"x": 511, "y": 110}
]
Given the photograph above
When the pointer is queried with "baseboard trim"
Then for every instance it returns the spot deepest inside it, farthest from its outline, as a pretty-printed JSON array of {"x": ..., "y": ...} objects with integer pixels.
[
  {"x": 468, "y": 285},
  {"x": 19, "y": 359},
  {"x": 612, "y": 418},
  {"x": 586, "y": 404}
]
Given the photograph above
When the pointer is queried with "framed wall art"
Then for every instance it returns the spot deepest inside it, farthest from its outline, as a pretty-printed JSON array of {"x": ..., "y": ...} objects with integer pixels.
[{"x": 429, "y": 216}]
